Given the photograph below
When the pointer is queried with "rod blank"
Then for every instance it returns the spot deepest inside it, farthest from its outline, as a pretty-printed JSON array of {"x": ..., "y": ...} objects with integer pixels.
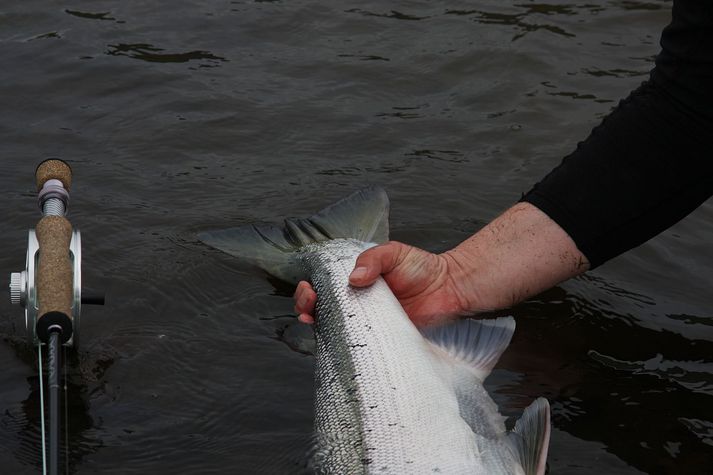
[{"x": 53, "y": 356}]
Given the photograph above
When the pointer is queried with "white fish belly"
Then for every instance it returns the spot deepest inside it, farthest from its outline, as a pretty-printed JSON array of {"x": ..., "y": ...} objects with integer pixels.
[{"x": 385, "y": 401}]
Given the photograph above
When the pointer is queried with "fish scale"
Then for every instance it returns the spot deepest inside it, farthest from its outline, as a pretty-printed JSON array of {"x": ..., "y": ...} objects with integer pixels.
[{"x": 393, "y": 394}]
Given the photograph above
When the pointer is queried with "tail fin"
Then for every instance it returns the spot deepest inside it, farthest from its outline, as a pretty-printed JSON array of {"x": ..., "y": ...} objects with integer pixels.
[{"x": 363, "y": 215}]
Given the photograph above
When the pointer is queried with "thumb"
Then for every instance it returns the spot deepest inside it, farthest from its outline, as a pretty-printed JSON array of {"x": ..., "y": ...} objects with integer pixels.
[{"x": 374, "y": 262}]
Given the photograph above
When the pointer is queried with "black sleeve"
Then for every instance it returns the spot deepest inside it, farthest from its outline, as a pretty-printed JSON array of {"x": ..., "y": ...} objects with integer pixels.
[{"x": 650, "y": 162}]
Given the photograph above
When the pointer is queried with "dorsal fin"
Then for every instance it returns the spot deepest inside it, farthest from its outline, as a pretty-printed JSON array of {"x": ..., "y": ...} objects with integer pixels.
[
  {"x": 530, "y": 438},
  {"x": 477, "y": 343}
]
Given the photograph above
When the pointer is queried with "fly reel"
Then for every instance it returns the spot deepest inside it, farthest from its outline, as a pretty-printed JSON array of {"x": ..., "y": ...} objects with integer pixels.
[
  {"x": 23, "y": 288},
  {"x": 50, "y": 290}
]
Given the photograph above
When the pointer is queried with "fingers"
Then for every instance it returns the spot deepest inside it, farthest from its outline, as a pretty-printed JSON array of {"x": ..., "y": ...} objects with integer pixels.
[
  {"x": 368, "y": 267},
  {"x": 304, "y": 318},
  {"x": 305, "y": 300},
  {"x": 374, "y": 262}
]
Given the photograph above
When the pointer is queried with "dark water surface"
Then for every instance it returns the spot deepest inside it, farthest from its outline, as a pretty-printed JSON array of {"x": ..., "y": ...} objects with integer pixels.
[{"x": 186, "y": 115}]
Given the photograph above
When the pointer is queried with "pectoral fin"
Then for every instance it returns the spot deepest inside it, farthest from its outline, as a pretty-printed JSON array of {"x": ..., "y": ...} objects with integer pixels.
[{"x": 476, "y": 343}]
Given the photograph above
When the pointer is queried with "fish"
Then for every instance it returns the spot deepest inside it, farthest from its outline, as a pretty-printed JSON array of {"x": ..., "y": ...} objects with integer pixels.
[{"x": 390, "y": 398}]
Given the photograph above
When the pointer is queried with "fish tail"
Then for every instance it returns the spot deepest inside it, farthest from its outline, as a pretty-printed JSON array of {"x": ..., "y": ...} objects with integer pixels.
[{"x": 363, "y": 215}]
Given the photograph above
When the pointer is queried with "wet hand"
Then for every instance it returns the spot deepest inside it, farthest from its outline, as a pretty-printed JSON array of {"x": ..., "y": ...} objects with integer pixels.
[{"x": 420, "y": 280}]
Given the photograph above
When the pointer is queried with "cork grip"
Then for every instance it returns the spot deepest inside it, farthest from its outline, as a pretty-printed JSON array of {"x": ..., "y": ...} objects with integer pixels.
[
  {"x": 53, "y": 169},
  {"x": 55, "y": 291}
]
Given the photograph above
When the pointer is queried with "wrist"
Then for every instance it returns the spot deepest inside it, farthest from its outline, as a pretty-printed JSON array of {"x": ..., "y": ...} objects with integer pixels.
[
  {"x": 472, "y": 278},
  {"x": 519, "y": 254}
]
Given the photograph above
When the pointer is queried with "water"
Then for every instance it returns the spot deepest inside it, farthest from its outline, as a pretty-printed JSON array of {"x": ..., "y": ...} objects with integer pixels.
[{"x": 183, "y": 116}]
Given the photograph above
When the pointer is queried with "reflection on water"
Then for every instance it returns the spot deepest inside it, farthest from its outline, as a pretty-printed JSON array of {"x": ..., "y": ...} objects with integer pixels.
[{"x": 212, "y": 114}]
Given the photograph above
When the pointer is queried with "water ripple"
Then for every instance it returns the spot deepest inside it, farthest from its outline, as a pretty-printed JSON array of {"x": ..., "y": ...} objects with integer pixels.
[
  {"x": 152, "y": 54},
  {"x": 702, "y": 429},
  {"x": 392, "y": 15},
  {"x": 187, "y": 369},
  {"x": 92, "y": 16},
  {"x": 693, "y": 375},
  {"x": 513, "y": 19}
]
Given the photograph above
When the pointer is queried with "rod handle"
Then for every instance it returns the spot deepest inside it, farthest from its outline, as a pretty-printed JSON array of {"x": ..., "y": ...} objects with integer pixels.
[{"x": 54, "y": 281}]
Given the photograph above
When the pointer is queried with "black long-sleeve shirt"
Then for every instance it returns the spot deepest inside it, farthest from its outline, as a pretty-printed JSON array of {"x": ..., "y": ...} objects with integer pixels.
[{"x": 650, "y": 162}]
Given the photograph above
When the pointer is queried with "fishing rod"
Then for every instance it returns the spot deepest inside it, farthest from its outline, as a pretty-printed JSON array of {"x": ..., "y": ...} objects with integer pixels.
[{"x": 50, "y": 290}]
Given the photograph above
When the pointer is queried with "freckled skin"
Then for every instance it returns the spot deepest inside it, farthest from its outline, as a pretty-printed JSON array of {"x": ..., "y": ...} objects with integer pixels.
[{"x": 518, "y": 255}]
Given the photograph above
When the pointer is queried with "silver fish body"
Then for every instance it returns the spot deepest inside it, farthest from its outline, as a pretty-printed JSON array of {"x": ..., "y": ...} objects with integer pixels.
[
  {"x": 386, "y": 397},
  {"x": 391, "y": 399}
]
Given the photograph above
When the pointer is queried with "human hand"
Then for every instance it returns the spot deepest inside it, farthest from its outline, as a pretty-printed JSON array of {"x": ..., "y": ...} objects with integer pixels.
[
  {"x": 516, "y": 256},
  {"x": 421, "y": 281}
]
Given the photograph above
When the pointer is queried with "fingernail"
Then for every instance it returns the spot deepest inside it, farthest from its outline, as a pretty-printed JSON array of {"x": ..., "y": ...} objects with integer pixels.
[
  {"x": 302, "y": 302},
  {"x": 358, "y": 274}
]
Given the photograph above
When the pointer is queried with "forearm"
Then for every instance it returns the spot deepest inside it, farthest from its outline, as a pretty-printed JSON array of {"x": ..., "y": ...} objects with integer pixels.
[
  {"x": 518, "y": 255},
  {"x": 645, "y": 167},
  {"x": 648, "y": 164}
]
